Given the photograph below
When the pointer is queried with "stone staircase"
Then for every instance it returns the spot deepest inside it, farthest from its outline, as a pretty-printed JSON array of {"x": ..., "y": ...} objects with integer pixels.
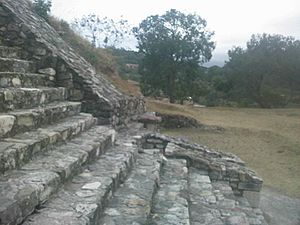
[
  {"x": 45, "y": 140},
  {"x": 58, "y": 167}
]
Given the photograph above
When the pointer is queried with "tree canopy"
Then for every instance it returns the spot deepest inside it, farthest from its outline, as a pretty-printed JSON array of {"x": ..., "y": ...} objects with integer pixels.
[
  {"x": 173, "y": 45},
  {"x": 267, "y": 72}
]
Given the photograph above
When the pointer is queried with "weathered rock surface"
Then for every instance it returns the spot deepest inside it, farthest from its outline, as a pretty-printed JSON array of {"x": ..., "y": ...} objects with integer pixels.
[
  {"x": 171, "y": 201},
  {"x": 23, "y": 190},
  {"x": 131, "y": 204},
  {"x": 26, "y": 80},
  {"x": 6, "y": 124},
  {"x": 22, "y": 98},
  {"x": 20, "y": 149},
  {"x": 41, "y": 43}
]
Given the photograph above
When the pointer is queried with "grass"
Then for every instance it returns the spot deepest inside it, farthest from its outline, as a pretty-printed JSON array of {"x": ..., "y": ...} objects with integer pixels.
[
  {"x": 102, "y": 59},
  {"x": 128, "y": 87},
  {"x": 268, "y": 140}
]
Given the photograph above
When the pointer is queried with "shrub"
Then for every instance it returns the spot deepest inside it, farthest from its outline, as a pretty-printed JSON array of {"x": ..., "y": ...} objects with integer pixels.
[{"x": 42, "y": 7}]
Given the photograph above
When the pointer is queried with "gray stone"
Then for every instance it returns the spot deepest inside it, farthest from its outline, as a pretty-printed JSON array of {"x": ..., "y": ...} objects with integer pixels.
[
  {"x": 16, "y": 82},
  {"x": 40, "y": 178},
  {"x": 253, "y": 198},
  {"x": 48, "y": 71},
  {"x": 237, "y": 220},
  {"x": 84, "y": 197},
  {"x": 171, "y": 202},
  {"x": 91, "y": 186},
  {"x": 6, "y": 124}
]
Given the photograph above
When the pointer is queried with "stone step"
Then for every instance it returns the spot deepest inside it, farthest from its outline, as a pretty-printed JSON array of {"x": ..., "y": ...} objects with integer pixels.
[
  {"x": 203, "y": 207},
  {"x": 10, "y": 52},
  {"x": 28, "y": 80},
  {"x": 25, "y": 98},
  {"x": 215, "y": 203},
  {"x": 23, "y": 190},
  {"x": 82, "y": 200},
  {"x": 16, "y": 65},
  {"x": 23, "y": 120},
  {"x": 22, "y": 148},
  {"x": 171, "y": 201},
  {"x": 235, "y": 210},
  {"x": 131, "y": 203}
]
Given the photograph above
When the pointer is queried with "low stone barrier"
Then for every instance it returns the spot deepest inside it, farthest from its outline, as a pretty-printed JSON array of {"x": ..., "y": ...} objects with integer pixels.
[{"x": 221, "y": 166}]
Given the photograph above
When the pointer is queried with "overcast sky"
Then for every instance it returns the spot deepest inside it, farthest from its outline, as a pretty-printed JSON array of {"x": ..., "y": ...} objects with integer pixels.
[{"x": 232, "y": 20}]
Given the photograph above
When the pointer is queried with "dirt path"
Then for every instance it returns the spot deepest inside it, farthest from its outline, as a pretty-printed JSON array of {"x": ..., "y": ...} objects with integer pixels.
[{"x": 279, "y": 209}]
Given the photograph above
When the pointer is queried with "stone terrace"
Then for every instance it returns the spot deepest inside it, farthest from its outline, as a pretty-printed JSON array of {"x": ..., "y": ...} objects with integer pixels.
[{"x": 59, "y": 167}]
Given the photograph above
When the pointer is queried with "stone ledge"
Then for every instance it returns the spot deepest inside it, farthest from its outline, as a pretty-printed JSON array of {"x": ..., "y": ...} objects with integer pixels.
[{"x": 220, "y": 165}]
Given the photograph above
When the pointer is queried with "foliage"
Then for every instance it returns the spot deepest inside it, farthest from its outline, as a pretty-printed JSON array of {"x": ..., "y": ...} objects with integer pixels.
[
  {"x": 101, "y": 59},
  {"x": 126, "y": 58},
  {"x": 103, "y": 31},
  {"x": 42, "y": 7},
  {"x": 267, "y": 72},
  {"x": 173, "y": 46}
]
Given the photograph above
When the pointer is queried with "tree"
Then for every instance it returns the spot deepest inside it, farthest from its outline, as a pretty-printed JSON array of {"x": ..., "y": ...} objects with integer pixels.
[
  {"x": 103, "y": 31},
  {"x": 264, "y": 71},
  {"x": 42, "y": 7},
  {"x": 174, "y": 45}
]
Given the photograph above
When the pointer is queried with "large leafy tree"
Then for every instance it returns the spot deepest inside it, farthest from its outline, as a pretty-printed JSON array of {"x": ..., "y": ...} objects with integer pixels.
[
  {"x": 266, "y": 72},
  {"x": 174, "y": 45}
]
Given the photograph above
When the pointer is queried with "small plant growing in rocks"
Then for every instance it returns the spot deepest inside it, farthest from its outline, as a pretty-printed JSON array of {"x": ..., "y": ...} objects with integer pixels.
[{"x": 42, "y": 7}]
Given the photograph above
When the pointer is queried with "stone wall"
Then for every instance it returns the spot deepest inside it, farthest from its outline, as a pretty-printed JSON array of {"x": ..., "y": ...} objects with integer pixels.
[
  {"x": 20, "y": 26},
  {"x": 221, "y": 166}
]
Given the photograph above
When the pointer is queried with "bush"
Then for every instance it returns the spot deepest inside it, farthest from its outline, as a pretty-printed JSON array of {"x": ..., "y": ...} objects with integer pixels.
[
  {"x": 101, "y": 59},
  {"x": 42, "y": 7}
]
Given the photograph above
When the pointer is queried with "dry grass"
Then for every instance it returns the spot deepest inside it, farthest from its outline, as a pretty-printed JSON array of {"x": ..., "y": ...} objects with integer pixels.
[
  {"x": 268, "y": 140},
  {"x": 128, "y": 87}
]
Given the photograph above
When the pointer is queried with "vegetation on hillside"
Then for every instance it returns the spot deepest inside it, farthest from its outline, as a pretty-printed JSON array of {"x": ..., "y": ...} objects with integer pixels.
[
  {"x": 172, "y": 48},
  {"x": 127, "y": 63},
  {"x": 103, "y": 32},
  {"x": 42, "y": 7},
  {"x": 266, "y": 73},
  {"x": 102, "y": 59}
]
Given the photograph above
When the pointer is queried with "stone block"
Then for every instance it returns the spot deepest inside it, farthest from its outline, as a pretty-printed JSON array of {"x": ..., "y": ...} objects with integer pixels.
[
  {"x": 48, "y": 71},
  {"x": 249, "y": 186},
  {"x": 155, "y": 141},
  {"x": 253, "y": 198},
  {"x": 6, "y": 124}
]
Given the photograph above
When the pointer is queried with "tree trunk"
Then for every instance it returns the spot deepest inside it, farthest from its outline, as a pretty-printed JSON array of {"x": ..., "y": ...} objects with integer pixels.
[{"x": 171, "y": 89}]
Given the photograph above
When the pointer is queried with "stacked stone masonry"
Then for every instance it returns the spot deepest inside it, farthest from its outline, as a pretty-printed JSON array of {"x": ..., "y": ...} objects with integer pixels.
[
  {"x": 58, "y": 167},
  {"x": 36, "y": 41}
]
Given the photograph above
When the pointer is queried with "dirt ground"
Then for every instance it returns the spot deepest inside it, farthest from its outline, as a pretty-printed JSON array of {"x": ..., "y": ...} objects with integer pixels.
[
  {"x": 268, "y": 140},
  {"x": 279, "y": 209}
]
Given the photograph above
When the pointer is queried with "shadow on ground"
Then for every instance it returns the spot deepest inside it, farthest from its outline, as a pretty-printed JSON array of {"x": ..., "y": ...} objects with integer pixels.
[{"x": 279, "y": 209}]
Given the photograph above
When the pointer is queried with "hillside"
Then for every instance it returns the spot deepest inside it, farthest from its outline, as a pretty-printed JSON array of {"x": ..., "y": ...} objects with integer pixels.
[{"x": 105, "y": 61}]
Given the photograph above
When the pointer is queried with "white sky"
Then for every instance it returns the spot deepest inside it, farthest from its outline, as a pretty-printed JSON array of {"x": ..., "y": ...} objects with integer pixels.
[{"x": 232, "y": 20}]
